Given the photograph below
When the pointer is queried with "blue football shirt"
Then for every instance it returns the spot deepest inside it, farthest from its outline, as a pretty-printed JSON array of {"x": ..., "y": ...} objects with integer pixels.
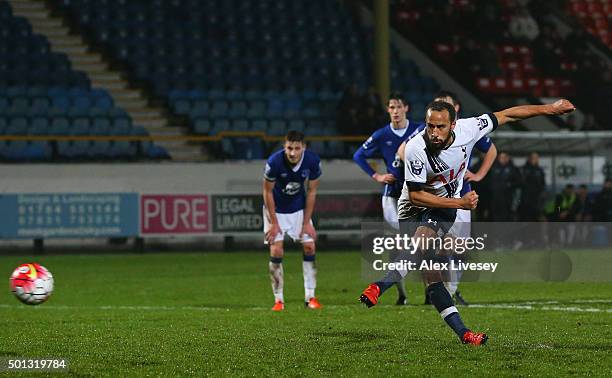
[{"x": 289, "y": 191}]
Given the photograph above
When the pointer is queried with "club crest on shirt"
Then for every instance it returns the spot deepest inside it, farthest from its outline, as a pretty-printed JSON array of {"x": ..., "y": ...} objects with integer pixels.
[
  {"x": 389, "y": 142},
  {"x": 292, "y": 188},
  {"x": 416, "y": 166},
  {"x": 305, "y": 173},
  {"x": 482, "y": 123}
]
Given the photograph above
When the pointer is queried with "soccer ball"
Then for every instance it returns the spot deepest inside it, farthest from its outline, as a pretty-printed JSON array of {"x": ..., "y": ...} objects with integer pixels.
[{"x": 31, "y": 283}]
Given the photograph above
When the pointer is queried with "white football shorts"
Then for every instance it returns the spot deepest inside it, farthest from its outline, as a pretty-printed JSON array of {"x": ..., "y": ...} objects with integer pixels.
[
  {"x": 290, "y": 224},
  {"x": 389, "y": 206},
  {"x": 462, "y": 226}
]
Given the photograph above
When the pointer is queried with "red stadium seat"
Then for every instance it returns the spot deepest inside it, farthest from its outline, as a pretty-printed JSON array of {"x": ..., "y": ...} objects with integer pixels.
[
  {"x": 525, "y": 50},
  {"x": 528, "y": 67},
  {"x": 535, "y": 86},
  {"x": 578, "y": 7},
  {"x": 595, "y": 6},
  {"x": 601, "y": 23},
  {"x": 552, "y": 87},
  {"x": 568, "y": 88},
  {"x": 508, "y": 49},
  {"x": 403, "y": 16},
  {"x": 519, "y": 86},
  {"x": 500, "y": 84},
  {"x": 581, "y": 16},
  {"x": 568, "y": 66},
  {"x": 484, "y": 83}
]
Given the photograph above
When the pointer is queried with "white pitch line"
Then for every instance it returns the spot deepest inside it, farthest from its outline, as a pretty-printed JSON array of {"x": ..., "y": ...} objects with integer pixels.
[
  {"x": 532, "y": 306},
  {"x": 542, "y": 308}
]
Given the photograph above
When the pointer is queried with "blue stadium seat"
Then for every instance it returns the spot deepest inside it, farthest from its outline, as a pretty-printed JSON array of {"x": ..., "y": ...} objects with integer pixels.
[
  {"x": 259, "y": 125},
  {"x": 278, "y": 127},
  {"x": 220, "y": 125},
  {"x": 59, "y": 126},
  {"x": 39, "y": 126},
  {"x": 202, "y": 126},
  {"x": 17, "y": 126}
]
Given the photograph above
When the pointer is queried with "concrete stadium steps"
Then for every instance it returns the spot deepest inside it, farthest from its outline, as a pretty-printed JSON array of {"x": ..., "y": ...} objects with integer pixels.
[{"x": 132, "y": 100}]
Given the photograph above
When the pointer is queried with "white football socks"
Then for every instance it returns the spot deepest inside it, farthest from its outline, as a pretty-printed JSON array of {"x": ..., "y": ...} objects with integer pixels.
[
  {"x": 310, "y": 278},
  {"x": 277, "y": 280}
]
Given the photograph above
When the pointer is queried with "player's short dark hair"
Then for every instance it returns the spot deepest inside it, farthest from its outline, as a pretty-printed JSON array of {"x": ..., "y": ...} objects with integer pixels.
[
  {"x": 450, "y": 94},
  {"x": 583, "y": 186},
  {"x": 439, "y": 106},
  {"x": 397, "y": 96},
  {"x": 294, "y": 136}
]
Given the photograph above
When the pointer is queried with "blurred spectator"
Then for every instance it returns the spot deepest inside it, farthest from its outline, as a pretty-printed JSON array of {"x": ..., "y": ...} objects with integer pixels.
[
  {"x": 489, "y": 61},
  {"x": 584, "y": 205},
  {"x": 565, "y": 204},
  {"x": 546, "y": 50},
  {"x": 372, "y": 112},
  {"x": 532, "y": 187},
  {"x": 489, "y": 16},
  {"x": 468, "y": 54},
  {"x": 359, "y": 114},
  {"x": 504, "y": 181},
  {"x": 602, "y": 209},
  {"x": 589, "y": 123},
  {"x": 347, "y": 116},
  {"x": 522, "y": 26},
  {"x": 583, "y": 211}
]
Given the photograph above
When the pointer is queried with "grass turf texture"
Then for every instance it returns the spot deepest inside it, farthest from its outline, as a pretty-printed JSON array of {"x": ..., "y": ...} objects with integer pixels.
[{"x": 182, "y": 314}]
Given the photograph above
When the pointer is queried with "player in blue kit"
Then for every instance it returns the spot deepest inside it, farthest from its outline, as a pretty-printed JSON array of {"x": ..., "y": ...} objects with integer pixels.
[
  {"x": 291, "y": 179},
  {"x": 384, "y": 143}
]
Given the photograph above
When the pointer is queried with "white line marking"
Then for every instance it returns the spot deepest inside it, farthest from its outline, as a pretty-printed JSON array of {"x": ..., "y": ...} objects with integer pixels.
[{"x": 532, "y": 306}]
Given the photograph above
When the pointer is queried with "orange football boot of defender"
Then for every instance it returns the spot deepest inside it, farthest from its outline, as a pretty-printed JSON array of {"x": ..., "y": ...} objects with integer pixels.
[
  {"x": 278, "y": 306},
  {"x": 474, "y": 338},
  {"x": 370, "y": 295},
  {"x": 313, "y": 303}
]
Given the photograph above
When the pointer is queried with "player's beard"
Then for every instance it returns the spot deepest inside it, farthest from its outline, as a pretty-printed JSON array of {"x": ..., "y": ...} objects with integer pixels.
[{"x": 434, "y": 147}]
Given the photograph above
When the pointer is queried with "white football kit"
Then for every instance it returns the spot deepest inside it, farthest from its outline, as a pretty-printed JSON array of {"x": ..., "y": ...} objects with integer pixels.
[{"x": 441, "y": 174}]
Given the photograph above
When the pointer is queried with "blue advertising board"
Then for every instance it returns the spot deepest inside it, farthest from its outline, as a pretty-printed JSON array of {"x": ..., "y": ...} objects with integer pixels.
[{"x": 68, "y": 215}]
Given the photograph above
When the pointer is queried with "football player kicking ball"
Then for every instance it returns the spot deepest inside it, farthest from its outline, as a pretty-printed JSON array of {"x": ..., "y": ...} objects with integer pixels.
[
  {"x": 288, "y": 208},
  {"x": 435, "y": 165}
]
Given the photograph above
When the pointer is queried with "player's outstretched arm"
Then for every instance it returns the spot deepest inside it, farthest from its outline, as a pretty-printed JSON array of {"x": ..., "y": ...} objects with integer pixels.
[
  {"x": 518, "y": 113},
  {"x": 424, "y": 199}
]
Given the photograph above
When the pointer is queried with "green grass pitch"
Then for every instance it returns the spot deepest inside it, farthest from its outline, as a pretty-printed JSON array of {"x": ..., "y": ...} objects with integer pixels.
[{"x": 200, "y": 314}]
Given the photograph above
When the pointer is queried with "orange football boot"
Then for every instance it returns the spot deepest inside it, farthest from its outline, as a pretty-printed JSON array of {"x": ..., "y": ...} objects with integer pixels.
[
  {"x": 474, "y": 338},
  {"x": 370, "y": 295},
  {"x": 278, "y": 306},
  {"x": 313, "y": 303}
]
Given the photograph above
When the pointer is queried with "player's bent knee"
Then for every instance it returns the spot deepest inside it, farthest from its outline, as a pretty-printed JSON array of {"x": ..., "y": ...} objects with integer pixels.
[
  {"x": 309, "y": 248},
  {"x": 276, "y": 249}
]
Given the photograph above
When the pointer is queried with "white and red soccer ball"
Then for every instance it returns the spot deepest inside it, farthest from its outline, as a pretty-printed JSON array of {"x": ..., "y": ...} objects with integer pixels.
[{"x": 31, "y": 283}]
